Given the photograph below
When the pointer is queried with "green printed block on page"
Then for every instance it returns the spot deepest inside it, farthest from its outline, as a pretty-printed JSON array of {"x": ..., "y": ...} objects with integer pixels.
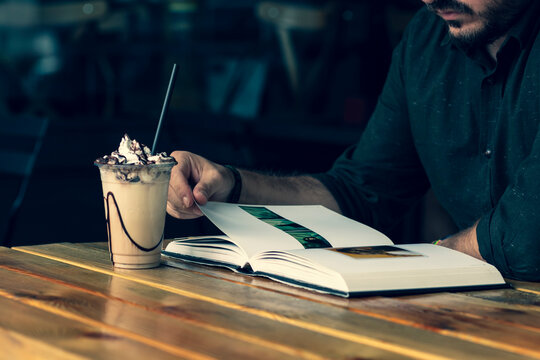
[{"x": 306, "y": 237}]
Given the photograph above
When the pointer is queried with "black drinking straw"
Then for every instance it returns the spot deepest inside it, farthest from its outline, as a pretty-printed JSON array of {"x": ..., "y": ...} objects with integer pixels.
[{"x": 165, "y": 106}]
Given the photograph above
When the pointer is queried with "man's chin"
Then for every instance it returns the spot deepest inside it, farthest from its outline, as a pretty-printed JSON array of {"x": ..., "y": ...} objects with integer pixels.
[
  {"x": 469, "y": 35},
  {"x": 459, "y": 29}
]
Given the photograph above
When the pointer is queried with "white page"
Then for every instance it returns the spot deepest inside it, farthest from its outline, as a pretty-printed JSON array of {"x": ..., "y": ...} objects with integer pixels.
[
  {"x": 254, "y": 235},
  {"x": 340, "y": 231},
  {"x": 218, "y": 248},
  {"x": 436, "y": 267}
]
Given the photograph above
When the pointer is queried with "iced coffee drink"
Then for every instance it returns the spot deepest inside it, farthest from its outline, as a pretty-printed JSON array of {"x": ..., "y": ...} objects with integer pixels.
[{"x": 135, "y": 185}]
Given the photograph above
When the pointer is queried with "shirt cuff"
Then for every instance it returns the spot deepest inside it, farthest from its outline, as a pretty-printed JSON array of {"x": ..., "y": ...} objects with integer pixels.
[
  {"x": 329, "y": 183},
  {"x": 491, "y": 247}
]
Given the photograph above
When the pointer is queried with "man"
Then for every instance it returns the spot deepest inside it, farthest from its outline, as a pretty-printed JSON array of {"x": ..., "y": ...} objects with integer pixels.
[{"x": 459, "y": 112}]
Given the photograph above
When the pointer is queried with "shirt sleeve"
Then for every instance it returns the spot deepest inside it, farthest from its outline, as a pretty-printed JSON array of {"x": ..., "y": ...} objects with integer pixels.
[
  {"x": 377, "y": 180},
  {"x": 509, "y": 235}
]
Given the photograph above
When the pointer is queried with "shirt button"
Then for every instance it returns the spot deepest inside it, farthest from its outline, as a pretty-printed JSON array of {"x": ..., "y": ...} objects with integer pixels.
[{"x": 487, "y": 153}]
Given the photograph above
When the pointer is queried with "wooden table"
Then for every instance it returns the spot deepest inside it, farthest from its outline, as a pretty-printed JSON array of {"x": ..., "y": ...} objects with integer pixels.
[{"x": 65, "y": 301}]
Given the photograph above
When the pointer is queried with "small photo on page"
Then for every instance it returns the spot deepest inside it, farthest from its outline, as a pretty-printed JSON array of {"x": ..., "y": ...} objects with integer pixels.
[{"x": 368, "y": 252}]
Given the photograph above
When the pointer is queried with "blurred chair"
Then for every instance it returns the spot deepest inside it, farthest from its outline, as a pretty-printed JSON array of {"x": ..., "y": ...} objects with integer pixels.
[
  {"x": 18, "y": 162},
  {"x": 286, "y": 17}
]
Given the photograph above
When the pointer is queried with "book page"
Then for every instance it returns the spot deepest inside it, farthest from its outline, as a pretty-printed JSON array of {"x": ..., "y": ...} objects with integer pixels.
[
  {"x": 380, "y": 268},
  {"x": 217, "y": 249},
  {"x": 258, "y": 228}
]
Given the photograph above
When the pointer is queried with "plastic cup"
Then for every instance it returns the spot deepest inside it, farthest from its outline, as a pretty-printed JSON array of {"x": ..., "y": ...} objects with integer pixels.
[{"x": 135, "y": 198}]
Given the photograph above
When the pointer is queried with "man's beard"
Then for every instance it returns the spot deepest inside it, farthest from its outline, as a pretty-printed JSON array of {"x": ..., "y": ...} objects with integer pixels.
[{"x": 498, "y": 17}]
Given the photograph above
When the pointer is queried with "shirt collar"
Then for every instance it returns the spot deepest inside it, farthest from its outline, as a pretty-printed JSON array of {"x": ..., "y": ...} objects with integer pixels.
[
  {"x": 524, "y": 28},
  {"x": 446, "y": 39}
]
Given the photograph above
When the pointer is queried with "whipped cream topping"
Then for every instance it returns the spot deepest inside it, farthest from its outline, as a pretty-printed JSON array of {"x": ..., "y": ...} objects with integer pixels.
[{"x": 133, "y": 152}]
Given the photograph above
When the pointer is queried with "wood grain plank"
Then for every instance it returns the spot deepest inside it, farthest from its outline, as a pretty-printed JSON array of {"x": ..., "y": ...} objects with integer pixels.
[
  {"x": 27, "y": 332},
  {"x": 521, "y": 293},
  {"x": 120, "y": 299},
  {"x": 521, "y": 316},
  {"x": 393, "y": 333},
  {"x": 164, "y": 332},
  {"x": 510, "y": 336},
  {"x": 510, "y": 297},
  {"x": 254, "y": 281},
  {"x": 530, "y": 287},
  {"x": 521, "y": 312}
]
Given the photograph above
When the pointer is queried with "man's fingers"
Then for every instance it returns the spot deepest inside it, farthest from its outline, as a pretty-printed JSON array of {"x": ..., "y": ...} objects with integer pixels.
[
  {"x": 181, "y": 174},
  {"x": 171, "y": 210},
  {"x": 207, "y": 179},
  {"x": 181, "y": 206},
  {"x": 200, "y": 194},
  {"x": 180, "y": 202},
  {"x": 211, "y": 186},
  {"x": 182, "y": 213}
]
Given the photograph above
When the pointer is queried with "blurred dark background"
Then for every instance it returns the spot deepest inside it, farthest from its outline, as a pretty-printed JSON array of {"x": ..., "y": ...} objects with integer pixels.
[{"x": 281, "y": 86}]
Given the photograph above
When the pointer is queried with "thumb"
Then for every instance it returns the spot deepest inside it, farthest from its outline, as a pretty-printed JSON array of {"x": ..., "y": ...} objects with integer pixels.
[
  {"x": 200, "y": 193},
  {"x": 208, "y": 186}
]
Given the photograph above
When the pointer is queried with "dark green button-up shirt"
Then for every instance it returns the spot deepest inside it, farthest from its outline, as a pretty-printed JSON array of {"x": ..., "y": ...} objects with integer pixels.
[{"x": 465, "y": 125}]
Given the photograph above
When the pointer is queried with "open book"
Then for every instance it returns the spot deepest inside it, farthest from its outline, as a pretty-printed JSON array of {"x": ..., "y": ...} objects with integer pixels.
[{"x": 316, "y": 248}]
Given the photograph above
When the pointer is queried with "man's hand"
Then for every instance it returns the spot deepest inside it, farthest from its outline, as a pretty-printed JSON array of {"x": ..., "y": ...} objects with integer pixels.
[{"x": 196, "y": 179}]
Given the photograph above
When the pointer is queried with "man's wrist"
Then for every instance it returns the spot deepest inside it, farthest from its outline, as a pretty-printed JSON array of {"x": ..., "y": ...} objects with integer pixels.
[
  {"x": 465, "y": 241},
  {"x": 236, "y": 190}
]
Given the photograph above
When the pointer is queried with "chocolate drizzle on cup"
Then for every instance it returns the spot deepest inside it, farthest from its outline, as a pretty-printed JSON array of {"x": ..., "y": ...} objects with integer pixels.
[{"x": 108, "y": 221}]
